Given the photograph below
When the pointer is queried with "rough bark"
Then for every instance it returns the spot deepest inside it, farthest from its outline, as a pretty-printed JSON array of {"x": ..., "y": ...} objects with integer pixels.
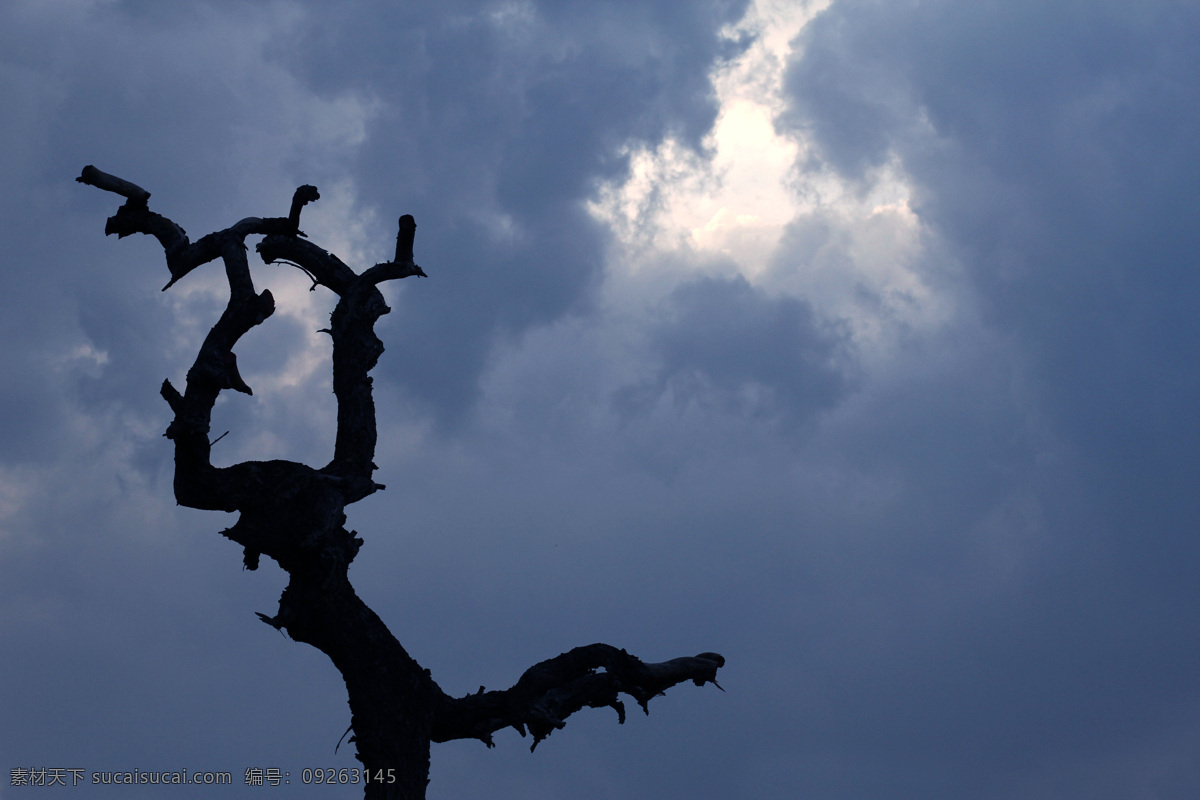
[{"x": 295, "y": 513}]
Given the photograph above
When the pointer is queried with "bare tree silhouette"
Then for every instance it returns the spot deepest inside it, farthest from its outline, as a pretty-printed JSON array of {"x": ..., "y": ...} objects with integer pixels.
[{"x": 295, "y": 513}]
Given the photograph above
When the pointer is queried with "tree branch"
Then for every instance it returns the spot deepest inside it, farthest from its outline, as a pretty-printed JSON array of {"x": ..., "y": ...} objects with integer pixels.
[
  {"x": 111, "y": 183},
  {"x": 303, "y": 196},
  {"x": 183, "y": 256},
  {"x": 403, "y": 266},
  {"x": 324, "y": 267},
  {"x": 554, "y": 689}
]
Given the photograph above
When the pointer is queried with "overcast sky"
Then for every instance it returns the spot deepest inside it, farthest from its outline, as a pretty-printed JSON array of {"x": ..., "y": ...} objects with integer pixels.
[{"x": 854, "y": 340}]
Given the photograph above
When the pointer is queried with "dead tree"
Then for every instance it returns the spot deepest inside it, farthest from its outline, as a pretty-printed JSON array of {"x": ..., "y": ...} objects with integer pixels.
[{"x": 295, "y": 513}]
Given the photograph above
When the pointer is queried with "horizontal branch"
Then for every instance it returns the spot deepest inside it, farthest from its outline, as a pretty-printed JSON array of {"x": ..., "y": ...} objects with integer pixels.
[
  {"x": 554, "y": 689},
  {"x": 182, "y": 254},
  {"x": 111, "y": 183},
  {"x": 322, "y": 266}
]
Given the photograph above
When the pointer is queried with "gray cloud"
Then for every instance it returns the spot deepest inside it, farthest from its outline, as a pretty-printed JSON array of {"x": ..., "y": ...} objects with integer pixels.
[
  {"x": 1059, "y": 175},
  {"x": 501, "y": 119},
  {"x": 723, "y": 341},
  {"x": 1049, "y": 148},
  {"x": 960, "y": 569}
]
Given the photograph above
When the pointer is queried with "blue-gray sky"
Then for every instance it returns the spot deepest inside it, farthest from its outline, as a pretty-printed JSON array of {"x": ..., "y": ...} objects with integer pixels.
[{"x": 854, "y": 340}]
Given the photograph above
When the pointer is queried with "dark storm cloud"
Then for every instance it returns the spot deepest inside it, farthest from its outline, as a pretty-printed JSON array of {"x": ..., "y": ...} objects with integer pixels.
[
  {"x": 1060, "y": 168},
  {"x": 500, "y": 120},
  {"x": 1057, "y": 164},
  {"x": 1052, "y": 148},
  {"x": 723, "y": 341}
]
